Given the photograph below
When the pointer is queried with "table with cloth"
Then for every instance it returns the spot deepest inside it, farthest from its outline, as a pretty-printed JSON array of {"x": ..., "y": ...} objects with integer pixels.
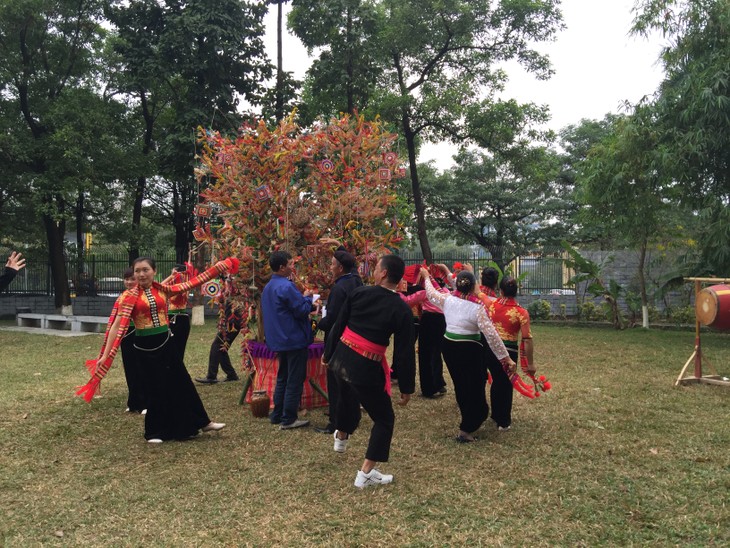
[{"x": 266, "y": 366}]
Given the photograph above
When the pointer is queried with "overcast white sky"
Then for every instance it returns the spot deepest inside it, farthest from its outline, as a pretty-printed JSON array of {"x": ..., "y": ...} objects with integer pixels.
[{"x": 597, "y": 66}]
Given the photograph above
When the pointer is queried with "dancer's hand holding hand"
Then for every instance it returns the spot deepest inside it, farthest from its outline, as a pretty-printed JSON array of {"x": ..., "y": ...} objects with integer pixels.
[{"x": 404, "y": 399}]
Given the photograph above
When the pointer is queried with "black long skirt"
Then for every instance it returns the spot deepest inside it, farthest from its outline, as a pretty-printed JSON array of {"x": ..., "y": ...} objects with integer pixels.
[{"x": 174, "y": 408}]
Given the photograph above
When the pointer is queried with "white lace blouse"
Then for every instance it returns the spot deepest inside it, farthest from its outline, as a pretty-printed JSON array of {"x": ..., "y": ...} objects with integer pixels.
[{"x": 466, "y": 318}]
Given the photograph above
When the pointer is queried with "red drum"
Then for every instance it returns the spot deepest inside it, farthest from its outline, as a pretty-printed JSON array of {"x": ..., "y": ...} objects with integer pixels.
[{"x": 712, "y": 307}]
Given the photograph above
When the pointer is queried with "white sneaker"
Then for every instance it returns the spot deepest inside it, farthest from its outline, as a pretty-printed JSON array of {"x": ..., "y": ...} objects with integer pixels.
[
  {"x": 154, "y": 440},
  {"x": 127, "y": 410},
  {"x": 504, "y": 428},
  {"x": 214, "y": 426},
  {"x": 340, "y": 445},
  {"x": 374, "y": 477},
  {"x": 144, "y": 412}
]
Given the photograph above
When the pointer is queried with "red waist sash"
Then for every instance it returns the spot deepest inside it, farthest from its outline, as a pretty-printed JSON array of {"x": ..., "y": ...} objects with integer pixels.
[{"x": 368, "y": 349}]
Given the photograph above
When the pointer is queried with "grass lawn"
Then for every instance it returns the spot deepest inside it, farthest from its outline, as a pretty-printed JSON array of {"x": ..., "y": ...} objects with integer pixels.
[{"x": 613, "y": 455}]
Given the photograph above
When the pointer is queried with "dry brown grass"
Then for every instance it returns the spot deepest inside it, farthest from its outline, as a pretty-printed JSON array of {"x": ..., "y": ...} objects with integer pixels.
[{"x": 613, "y": 456}]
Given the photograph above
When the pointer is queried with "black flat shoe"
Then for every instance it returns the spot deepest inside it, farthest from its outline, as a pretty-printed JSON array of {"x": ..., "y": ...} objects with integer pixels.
[
  {"x": 325, "y": 430},
  {"x": 206, "y": 380},
  {"x": 231, "y": 379}
]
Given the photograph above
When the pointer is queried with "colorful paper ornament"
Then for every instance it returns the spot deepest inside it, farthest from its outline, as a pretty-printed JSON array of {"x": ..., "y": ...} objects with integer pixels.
[
  {"x": 326, "y": 166},
  {"x": 224, "y": 158},
  {"x": 401, "y": 172},
  {"x": 202, "y": 210},
  {"x": 384, "y": 174},
  {"x": 263, "y": 193},
  {"x": 390, "y": 158},
  {"x": 211, "y": 288}
]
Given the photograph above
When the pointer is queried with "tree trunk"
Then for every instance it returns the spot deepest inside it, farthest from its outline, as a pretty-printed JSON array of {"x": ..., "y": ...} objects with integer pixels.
[
  {"x": 279, "y": 110},
  {"x": 54, "y": 234},
  {"x": 642, "y": 286},
  {"x": 80, "y": 235},
  {"x": 350, "y": 68},
  {"x": 149, "y": 123},
  {"x": 417, "y": 197}
]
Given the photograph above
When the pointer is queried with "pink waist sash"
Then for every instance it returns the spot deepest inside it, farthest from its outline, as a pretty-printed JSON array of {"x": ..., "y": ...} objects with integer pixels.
[{"x": 368, "y": 349}]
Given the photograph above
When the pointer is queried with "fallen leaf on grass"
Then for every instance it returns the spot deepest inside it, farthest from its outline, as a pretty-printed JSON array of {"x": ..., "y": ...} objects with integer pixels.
[
  {"x": 25, "y": 415},
  {"x": 59, "y": 534},
  {"x": 654, "y": 451}
]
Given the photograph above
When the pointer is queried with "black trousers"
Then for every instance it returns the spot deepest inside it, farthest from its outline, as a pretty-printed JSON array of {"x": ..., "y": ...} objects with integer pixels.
[
  {"x": 134, "y": 375},
  {"x": 372, "y": 396},
  {"x": 465, "y": 361},
  {"x": 333, "y": 396},
  {"x": 174, "y": 408},
  {"x": 180, "y": 328},
  {"x": 219, "y": 355},
  {"x": 430, "y": 366},
  {"x": 394, "y": 365},
  {"x": 501, "y": 391}
]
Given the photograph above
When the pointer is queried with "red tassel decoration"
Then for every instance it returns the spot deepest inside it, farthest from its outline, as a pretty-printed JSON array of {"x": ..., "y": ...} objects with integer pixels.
[{"x": 89, "y": 390}]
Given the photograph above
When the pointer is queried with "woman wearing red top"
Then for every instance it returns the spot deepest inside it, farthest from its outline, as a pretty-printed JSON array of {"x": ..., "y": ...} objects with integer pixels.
[
  {"x": 174, "y": 409},
  {"x": 490, "y": 277},
  {"x": 511, "y": 321}
]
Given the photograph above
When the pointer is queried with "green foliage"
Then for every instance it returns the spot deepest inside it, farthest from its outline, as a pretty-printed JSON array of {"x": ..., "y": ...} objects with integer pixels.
[
  {"x": 683, "y": 315},
  {"x": 589, "y": 272},
  {"x": 540, "y": 309},
  {"x": 506, "y": 204},
  {"x": 692, "y": 107},
  {"x": 424, "y": 64}
]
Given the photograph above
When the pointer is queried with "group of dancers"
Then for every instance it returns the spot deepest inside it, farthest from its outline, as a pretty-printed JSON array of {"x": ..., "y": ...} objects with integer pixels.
[{"x": 474, "y": 330}]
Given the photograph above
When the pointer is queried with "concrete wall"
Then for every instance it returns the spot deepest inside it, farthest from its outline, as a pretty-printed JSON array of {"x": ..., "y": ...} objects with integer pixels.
[{"x": 82, "y": 306}]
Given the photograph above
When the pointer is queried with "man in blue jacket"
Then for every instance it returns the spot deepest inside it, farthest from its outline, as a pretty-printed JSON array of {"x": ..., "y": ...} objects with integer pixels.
[{"x": 288, "y": 332}]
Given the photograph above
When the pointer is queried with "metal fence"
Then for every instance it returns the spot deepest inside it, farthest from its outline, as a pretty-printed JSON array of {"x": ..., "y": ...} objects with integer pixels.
[
  {"x": 541, "y": 272},
  {"x": 95, "y": 274}
]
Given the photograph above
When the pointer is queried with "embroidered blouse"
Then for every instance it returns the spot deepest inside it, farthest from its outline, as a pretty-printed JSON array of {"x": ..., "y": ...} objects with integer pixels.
[
  {"x": 510, "y": 319},
  {"x": 466, "y": 318}
]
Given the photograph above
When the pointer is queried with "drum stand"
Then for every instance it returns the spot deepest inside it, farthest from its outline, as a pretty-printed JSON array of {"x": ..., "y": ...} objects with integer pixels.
[{"x": 696, "y": 356}]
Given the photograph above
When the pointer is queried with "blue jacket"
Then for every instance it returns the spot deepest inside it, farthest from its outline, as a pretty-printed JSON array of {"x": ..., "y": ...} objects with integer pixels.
[{"x": 286, "y": 315}]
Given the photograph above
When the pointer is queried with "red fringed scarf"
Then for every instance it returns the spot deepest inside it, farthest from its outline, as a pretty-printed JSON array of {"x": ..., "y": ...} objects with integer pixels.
[{"x": 99, "y": 370}]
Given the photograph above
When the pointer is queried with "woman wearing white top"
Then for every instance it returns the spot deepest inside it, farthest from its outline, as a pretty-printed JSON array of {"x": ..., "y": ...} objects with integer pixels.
[{"x": 463, "y": 349}]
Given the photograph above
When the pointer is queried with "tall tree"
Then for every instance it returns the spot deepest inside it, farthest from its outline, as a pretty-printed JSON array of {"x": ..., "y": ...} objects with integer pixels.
[
  {"x": 624, "y": 187},
  {"x": 442, "y": 64},
  {"x": 49, "y": 52},
  {"x": 191, "y": 67},
  {"x": 507, "y": 206},
  {"x": 693, "y": 110},
  {"x": 345, "y": 34},
  {"x": 576, "y": 142}
]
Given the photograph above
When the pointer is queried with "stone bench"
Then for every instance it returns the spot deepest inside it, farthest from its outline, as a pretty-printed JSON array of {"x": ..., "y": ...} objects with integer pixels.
[
  {"x": 81, "y": 324},
  {"x": 30, "y": 320},
  {"x": 89, "y": 324}
]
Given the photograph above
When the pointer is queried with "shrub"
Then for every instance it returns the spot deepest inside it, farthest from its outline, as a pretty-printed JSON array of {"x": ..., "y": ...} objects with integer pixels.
[
  {"x": 683, "y": 315},
  {"x": 587, "y": 311},
  {"x": 540, "y": 309}
]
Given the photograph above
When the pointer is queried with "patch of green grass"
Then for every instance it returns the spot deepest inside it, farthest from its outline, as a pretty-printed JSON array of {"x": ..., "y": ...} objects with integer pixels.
[{"x": 613, "y": 455}]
